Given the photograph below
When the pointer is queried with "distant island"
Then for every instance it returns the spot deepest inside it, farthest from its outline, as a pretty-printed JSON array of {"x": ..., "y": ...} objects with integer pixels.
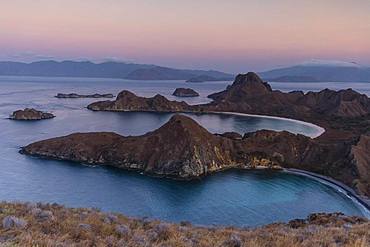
[
  {"x": 294, "y": 78},
  {"x": 76, "y": 96},
  {"x": 118, "y": 70},
  {"x": 319, "y": 71},
  {"x": 313, "y": 71}
]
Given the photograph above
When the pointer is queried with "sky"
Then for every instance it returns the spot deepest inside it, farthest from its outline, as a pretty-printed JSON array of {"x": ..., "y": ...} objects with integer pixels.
[{"x": 228, "y": 35}]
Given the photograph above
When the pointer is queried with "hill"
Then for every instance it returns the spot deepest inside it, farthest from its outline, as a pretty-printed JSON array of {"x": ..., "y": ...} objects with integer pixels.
[
  {"x": 102, "y": 70},
  {"x": 320, "y": 71}
]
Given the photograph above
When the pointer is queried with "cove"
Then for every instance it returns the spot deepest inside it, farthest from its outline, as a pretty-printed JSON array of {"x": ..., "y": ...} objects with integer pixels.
[{"x": 242, "y": 198}]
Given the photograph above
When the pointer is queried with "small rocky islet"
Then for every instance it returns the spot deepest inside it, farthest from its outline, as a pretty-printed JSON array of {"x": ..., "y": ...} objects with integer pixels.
[
  {"x": 185, "y": 92},
  {"x": 30, "y": 114},
  {"x": 78, "y": 96}
]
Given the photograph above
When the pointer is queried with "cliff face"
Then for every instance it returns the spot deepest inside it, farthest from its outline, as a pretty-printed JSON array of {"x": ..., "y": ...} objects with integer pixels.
[{"x": 127, "y": 101}]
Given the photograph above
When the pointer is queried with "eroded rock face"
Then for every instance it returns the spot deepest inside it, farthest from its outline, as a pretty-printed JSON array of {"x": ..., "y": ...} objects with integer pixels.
[
  {"x": 30, "y": 114},
  {"x": 77, "y": 96},
  {"x": 185, "y": 92},
  {"x": 127, "y": 101}
]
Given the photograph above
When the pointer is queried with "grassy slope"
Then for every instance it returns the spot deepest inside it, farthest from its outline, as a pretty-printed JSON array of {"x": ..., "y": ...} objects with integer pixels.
[{"x": 54, "y": 225}]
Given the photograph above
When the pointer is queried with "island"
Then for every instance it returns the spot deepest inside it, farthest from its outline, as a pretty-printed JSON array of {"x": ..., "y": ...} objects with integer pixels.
[
  {"x": 185, "y": 92},
  {"x": 341, "y": 152},
  {"x": 128, "y": 101},
  {"x": 30, "y": 114},
  {"x": 76, "y": 96},
  {"x": 182, "y": 149}
]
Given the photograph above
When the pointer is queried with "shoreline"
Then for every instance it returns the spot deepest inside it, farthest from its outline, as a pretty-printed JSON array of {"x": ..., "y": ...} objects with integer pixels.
[
  {"x": 348, "y": 191},
  {"x": 320, "y": 130}
]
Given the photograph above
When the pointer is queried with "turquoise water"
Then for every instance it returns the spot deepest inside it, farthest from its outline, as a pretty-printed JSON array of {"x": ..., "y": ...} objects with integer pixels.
[{"x": 243, "y": 198}]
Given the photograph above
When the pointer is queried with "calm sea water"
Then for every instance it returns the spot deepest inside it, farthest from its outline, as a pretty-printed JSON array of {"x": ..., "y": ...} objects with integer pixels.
[{"x": 243, "y": 198}]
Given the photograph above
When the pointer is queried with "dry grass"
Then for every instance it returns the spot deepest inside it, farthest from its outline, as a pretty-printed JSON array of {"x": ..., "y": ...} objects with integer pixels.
[{"x": 90, "y": 227}]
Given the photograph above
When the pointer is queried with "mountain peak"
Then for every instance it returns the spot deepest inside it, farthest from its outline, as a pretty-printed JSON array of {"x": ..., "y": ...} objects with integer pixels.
[
  {"x": 252, "y": 83},
  {"x": 249, "y": 77},
  {"x": 181, "y": 125}
]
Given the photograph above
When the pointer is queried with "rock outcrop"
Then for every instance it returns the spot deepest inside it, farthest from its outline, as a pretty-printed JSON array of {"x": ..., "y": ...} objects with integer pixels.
[
  {"x": 185, "y": 92},
  {"x": 127, "y": 101},
  {"x": 77, "y": 96},
  {"x": 30, "y": 114}
]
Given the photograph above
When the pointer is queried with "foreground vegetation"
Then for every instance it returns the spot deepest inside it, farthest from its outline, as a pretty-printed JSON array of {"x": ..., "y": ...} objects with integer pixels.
[{"x": 54, "y": 225}]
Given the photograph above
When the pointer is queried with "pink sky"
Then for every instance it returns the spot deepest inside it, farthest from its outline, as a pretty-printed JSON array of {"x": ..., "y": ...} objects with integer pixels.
[{"x": 229, "y": 35}]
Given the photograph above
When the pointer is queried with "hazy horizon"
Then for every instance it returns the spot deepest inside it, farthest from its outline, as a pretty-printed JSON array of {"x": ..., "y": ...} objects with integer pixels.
[{"x": 230, "y": 36}]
